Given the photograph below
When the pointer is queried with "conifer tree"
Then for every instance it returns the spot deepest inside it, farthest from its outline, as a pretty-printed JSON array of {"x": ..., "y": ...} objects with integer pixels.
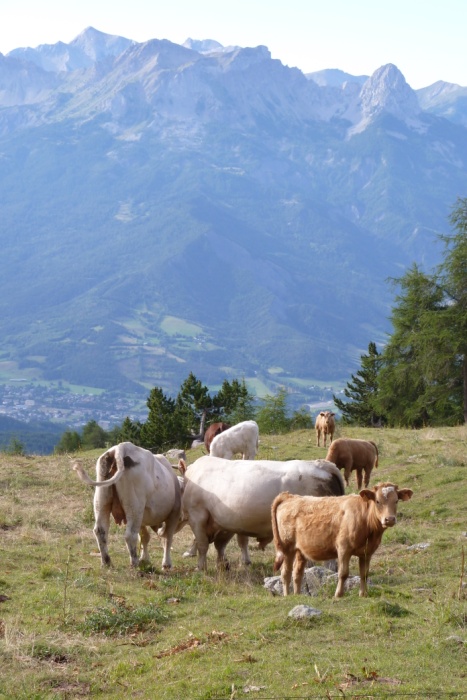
[
  {"x": 453, "y": 279},
  {"x": 361, "y": 392},
  {"x": 158, "y": 433}
]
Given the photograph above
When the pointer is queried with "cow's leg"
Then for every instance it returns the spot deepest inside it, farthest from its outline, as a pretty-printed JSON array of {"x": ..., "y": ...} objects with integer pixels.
[
  {"x": 298, "y": 569},
  {"x": 192, "y": 551},
  {"x": 132, "y": 531},
  {"x": 347, "y": 464},
  {"x": 360, "y": 478},
  {"x": 221, "y": 541},
  {"x": 242, "y": 541},
  {"x": 199, "y": 528},
  {"x": 364, "y": 565},
  {"x": 317, "y": 438},
  {"x": 286, "y": 571},
  {"x": 102, "y": 510},
  {"x": 171, "y": 526},
  {"x": 343, "y": 561},
  {"x": 145, "y": 536},
  {"x": 366, "y": 479}
]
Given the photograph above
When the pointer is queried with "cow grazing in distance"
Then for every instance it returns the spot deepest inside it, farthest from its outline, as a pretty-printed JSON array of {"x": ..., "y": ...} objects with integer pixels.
[
  {"x": 242, "y": 438},
  {"x": 354, "y": 455},
  {"x": 320, "y": 529},
  {"x": 211, "y": 432},
  {"x": 223, "y": 498},
  {"x": 325, "y": 425},
  {"x": 139, "y": 489}
]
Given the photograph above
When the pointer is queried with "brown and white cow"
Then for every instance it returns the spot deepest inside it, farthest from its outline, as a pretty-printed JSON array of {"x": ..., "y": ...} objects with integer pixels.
[
  {"x": 354, "y": 455},
  {"x": 211, "y": 432},
  {"x": 242, "y": 438},
  {"x": 223, "y": 498},
  {"x": 306, "y": 527},
  {"x": 139, "y": 489},
  {"x": 325, "y": 425}
]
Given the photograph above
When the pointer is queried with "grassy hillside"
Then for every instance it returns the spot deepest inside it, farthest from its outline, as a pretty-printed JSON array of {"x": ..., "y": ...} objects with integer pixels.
[{"x": 69, "y": 629}]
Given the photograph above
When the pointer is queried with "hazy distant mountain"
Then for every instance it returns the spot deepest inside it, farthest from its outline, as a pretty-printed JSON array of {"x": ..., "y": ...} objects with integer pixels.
[
  {"x": 168, "y": 209},
  {"x": 333, "y": 77},
  {"x": 207, "y": 46},
  {"x": 89, "y": 47},
  {"x": 445, "y": 100}
]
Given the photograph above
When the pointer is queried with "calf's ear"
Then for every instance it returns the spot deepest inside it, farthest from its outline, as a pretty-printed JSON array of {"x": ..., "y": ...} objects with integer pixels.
[
  {"x": 367, "y": 495},
  {"x": 405, "y": 494}
]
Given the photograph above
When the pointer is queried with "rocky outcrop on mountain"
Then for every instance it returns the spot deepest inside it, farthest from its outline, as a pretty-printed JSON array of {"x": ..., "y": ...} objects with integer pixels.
[
  {"x": 23, "y": 83},
  {"x": 387, "y": 91}
]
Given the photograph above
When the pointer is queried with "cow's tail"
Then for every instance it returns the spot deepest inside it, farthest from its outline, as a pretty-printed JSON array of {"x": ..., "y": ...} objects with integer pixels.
[
  {"x": 78, "y": 468},
  {"x": 278, "y": 544}
]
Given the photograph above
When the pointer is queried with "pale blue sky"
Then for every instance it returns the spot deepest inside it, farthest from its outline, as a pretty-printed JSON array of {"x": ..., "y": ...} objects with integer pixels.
[{"x": 425, "y": 39}]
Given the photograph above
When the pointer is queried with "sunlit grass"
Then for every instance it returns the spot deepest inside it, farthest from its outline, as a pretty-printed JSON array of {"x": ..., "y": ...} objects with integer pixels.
[{"x": 69, "y": 628}]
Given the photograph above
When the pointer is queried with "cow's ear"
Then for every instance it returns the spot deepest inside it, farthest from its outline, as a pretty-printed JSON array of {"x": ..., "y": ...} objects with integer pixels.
[
  {"x": 405, "y": 494},
  {"x": 321, "y": 413},
  {"x": 333, "y": 414},
  {"x": 367, "y": 495},
  {"x": 182, "y": 466}
]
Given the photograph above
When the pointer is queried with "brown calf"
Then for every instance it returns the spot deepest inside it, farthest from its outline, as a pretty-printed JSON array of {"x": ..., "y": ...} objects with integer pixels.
[
  {"x": 326, "y": 425},
  {"x": 323, "y": 528},
  {"x": 354, "y": 455}
]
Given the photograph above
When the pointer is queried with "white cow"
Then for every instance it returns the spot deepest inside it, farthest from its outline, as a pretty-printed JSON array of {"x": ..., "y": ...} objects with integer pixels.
[
  {"x": 242, "y": 438},
  {"x": 224, "y": 497},
  {"x": 139, "y": 489}
]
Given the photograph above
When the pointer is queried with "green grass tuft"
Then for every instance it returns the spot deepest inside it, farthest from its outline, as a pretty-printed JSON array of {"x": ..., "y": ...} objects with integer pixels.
[{"x": 121, "y": 620}]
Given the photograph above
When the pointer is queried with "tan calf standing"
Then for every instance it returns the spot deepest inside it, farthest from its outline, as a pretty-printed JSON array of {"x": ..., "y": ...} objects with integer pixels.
[
  {"x": 354, "y": 455},
  {"x": 323, "y": 528},
  {"x": 325, "y": 425}
]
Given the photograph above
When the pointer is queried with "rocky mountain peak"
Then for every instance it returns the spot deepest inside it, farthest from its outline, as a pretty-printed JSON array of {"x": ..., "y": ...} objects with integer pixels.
[
  {"x": 387, "y": 91},
  {"x": 97, "y": 45}
]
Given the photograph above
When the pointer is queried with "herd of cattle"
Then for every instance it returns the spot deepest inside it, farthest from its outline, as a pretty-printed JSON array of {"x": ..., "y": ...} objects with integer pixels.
[{"x": 299, "y": 504}]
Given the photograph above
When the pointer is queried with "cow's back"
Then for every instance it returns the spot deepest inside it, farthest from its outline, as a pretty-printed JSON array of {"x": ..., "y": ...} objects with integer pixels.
[
  {"x": 238, "y": 494},
  {"x": 359, "y": 453}
]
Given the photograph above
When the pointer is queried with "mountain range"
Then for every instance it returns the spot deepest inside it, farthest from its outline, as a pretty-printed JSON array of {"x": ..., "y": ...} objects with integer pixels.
[{"x": 168, "y": 209}]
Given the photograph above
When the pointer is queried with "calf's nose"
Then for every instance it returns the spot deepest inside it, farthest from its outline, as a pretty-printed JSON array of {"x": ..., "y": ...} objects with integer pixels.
[{"x": 390, "y": 520}]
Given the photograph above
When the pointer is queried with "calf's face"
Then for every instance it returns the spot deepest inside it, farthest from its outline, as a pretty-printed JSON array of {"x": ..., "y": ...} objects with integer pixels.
[{"x": 386, "y": 497}]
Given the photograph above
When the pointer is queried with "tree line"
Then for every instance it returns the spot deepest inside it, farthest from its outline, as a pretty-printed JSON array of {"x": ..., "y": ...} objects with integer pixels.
[
  {"x": 420, "y": 377},
  {"x": 177, "y": 422}
]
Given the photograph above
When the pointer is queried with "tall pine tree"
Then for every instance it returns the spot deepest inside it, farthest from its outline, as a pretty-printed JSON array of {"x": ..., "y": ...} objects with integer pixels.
[
  {"x": 361, "y": 392},
  {"x": 423, "y": 380},
  {"x": 453, "y": 279}
]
